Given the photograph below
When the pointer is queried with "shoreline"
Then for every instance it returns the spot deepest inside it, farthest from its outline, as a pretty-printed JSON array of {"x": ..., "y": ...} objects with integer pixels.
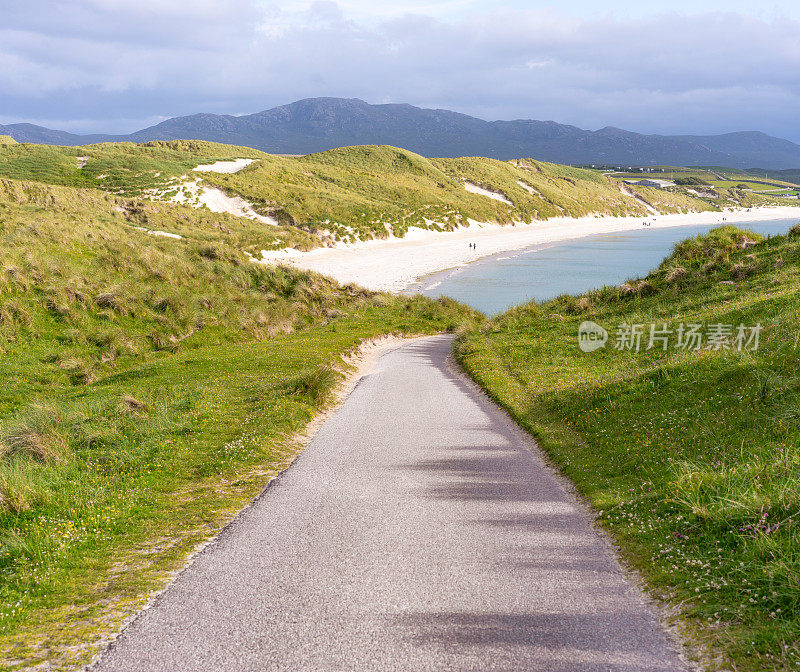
[{"x": 396, "y": 264}]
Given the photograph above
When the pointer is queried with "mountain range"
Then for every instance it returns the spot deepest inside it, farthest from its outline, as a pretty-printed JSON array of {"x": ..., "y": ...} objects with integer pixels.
[{"x": 318, "y": 124}]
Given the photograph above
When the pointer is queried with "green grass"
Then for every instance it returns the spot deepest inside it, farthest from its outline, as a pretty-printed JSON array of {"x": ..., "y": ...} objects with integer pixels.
[
  {"x": 705, "y": 173},
  {"x": 675, "y": 200},
  {"x": 151, "y": 389},
  {"x": 122, "y": 168},
  {"x": 347, "y": 194},
  {"x": 788, "y": 176},
  {"x": 691, "y": 458},
  {"x": 754, "y": 186},
  {"x": 21, "y": 200},
  {"x": 715, "y": 194},
  {"x": 721, "y": 193},
  {"x": 365, "y": 192}
]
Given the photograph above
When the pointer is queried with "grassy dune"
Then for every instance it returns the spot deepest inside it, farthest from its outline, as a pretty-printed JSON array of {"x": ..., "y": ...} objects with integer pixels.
[
  {"x": 124, "y": 168},
  {"x": 356, "y": 193},
  {"x": 691, "y": 457},
  {"x": 363, "y": 192},
  {"x": 150, "y": 388}
]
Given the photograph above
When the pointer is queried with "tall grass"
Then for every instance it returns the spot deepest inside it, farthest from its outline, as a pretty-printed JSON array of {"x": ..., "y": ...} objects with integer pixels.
[
  {"x": 352, "y": 193},
  {"x": 150, "y": 388},
  {"x": 368, "y": 192},
  {"x": 122, "y": 168}
]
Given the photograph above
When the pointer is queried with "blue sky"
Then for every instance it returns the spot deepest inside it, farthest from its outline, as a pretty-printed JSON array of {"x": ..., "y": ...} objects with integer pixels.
[{"x": 657, "y": 67}]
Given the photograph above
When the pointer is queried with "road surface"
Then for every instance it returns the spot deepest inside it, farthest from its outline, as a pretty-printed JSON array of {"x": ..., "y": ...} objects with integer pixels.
[{"x": 419, "y": 531}]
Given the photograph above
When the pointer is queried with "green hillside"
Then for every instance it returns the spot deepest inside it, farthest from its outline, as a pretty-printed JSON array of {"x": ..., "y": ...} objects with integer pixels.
[
  {"x": 692, "y": 457},
  {"x": 363, "y": 192},
  {"x": 359, "y": 192},
  {"x": 792, "y": 176},
  {"x": 7, "y": 140},
  {"x": 122, "y": 168},
  {"x": 151, "y": 386},
  {"x": 734, "y": 187}
]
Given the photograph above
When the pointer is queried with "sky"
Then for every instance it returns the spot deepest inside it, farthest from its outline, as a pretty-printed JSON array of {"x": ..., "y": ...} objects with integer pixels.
[{"x": 677, "y": 67}]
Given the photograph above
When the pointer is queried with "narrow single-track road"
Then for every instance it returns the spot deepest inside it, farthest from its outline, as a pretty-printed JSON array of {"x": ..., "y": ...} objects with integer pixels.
[{"x": 419, "y": 531}]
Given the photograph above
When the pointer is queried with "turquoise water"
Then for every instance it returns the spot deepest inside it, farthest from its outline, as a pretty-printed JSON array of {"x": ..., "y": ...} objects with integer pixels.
[{"x": 496, "y": 283}]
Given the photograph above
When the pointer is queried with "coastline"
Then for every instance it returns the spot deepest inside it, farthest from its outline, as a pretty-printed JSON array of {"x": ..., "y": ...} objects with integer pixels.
[{"x": 397, "y": 263}]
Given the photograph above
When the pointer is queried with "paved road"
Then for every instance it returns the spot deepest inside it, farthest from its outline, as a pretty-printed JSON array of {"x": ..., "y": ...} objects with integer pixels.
[{"x": 417, "y": 532}]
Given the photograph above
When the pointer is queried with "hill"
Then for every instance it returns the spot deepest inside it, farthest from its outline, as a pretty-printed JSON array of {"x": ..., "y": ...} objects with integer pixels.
[
  {"x": 788, "y": 175},
  {"x": 319, "y": 124},
  {"x": 350, "y": 194},
  {"x": 690, "y": 455}
]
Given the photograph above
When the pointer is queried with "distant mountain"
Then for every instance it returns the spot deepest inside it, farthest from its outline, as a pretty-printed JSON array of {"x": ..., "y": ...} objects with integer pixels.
[
  {"x": 317, "y": 124},
  {"x": 46, "y": 136}
]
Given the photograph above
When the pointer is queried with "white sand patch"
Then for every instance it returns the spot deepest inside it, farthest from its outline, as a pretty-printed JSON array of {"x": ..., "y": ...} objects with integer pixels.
[
  {"x": 527, "y": 187},
  {"x": 702, "y": 194},
  {"x": 191, "y": 192},
  {"x": 224, "y": 166},
  {"x": 396, "y": 263},
  {"x": 82, "y": 161},
  {"x": 625, "y": 189},
  {"x": 477, "y": 189},
  {"x": 218, "y": 201},
  {"x": 163, "y": 234}
]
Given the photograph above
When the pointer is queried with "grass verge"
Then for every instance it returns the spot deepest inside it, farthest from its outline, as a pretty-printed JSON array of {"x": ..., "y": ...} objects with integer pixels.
[{"x": 692, "y": 457}]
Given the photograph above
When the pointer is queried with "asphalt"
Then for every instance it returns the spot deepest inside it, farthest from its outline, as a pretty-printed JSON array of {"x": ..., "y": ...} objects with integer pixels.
[{"x": 420, "y": 530}]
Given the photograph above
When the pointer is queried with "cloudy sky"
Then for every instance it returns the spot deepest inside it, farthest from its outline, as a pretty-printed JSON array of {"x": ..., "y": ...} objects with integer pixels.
[{"x": 683, "y": 66}]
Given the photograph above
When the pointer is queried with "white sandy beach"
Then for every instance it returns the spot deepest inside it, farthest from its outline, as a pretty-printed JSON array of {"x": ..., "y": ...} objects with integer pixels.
[
  {"x": 224, "y": 166},
  {"x": 396, "y": 263}
]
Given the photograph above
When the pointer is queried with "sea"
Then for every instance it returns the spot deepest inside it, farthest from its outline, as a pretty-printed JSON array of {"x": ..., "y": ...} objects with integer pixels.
[{"x": 541, "y": 272}]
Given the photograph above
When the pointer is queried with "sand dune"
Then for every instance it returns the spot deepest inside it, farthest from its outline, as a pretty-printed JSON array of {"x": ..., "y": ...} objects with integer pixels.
[
  {"x": 193, "y": 193},
  {"x": 224, "y": 166},
  {"x": 494, "y": 195}
]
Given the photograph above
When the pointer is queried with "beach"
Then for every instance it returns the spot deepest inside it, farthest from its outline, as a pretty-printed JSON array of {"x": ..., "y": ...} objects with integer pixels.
[{"x": 396, "y": 263}]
